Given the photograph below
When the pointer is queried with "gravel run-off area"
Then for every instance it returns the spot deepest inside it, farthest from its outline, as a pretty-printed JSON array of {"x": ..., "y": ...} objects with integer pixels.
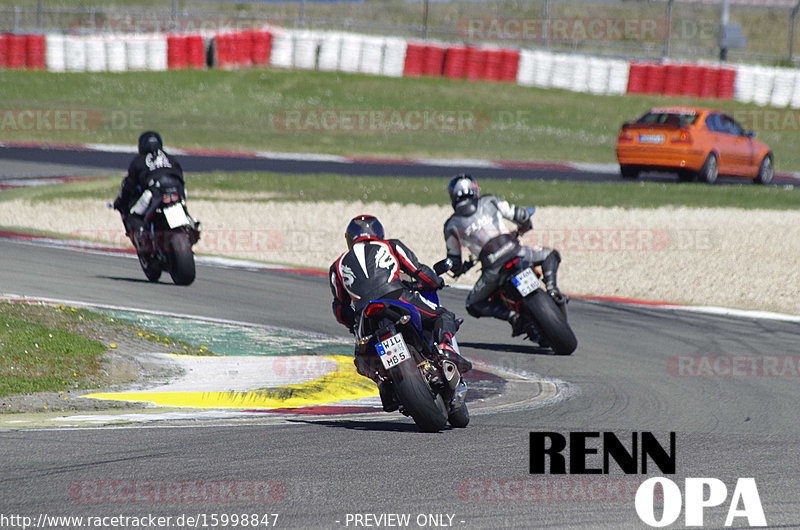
[{"x": 727, "y": 257}]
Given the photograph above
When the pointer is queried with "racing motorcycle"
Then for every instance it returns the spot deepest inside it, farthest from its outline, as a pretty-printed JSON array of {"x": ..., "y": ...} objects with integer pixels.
[
  {"x": 418, "y": 379},
  {"x": 166, "y": 242},
  {"x": 522, "y": 289}
]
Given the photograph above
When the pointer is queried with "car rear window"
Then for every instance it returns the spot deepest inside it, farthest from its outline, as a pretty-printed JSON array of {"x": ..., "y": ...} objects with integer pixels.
[{"x": 669, "y": 118}]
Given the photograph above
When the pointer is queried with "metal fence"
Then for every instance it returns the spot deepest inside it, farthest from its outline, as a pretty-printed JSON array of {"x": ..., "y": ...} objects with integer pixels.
[{"x": 632, "y": 29}]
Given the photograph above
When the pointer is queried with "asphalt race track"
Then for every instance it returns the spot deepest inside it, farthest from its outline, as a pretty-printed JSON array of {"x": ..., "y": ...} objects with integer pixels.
[
  {"x": 354, "y": 471},
  {"x": 320, "y": 469},
  {"x": 195, "y": 163}
]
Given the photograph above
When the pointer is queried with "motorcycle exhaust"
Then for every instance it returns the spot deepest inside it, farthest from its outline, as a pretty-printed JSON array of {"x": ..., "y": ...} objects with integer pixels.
[{"x": 451, "y": 373}]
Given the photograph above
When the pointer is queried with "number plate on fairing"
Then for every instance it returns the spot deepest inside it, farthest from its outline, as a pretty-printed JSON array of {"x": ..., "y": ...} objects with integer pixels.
[
  {"x": 393, "y": 351},
  {"x": 526, "y": 282},
  {"x": 176, "y": 216}
]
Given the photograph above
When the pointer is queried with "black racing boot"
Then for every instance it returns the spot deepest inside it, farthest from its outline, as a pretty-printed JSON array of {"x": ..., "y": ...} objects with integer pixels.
[
  {"x": 388, "y": 399},
  {"x": 449, "y": 353},
  {"x": 518, "y": 326},
  {"x": 550, "y": 273}
]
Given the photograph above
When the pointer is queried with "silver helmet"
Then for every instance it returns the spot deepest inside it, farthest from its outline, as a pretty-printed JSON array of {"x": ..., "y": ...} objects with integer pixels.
[{"x": 462, "y": 187}]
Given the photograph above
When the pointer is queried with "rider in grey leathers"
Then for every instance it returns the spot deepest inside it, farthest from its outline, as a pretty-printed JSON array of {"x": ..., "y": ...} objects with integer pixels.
[{"x": 477, "y": 224}]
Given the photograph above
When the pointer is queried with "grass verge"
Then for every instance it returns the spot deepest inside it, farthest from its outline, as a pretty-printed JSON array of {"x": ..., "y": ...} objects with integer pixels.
[
  {"x": 429, "y": 191},
  {"x": 40, "y": 350},
  {"x": 252, "y": 110},
  {"x": 47, "y": 347}
]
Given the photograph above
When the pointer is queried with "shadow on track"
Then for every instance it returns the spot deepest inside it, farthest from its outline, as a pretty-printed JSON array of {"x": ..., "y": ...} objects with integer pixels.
[
  {"x": 160, "y": 283},
  {"x": 388, "y": 425},
  {"x": 506, "y": 348}
]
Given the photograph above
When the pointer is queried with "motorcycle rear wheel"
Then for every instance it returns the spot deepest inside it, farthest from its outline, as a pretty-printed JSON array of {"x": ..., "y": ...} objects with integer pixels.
[
  {"x": 181, "y": 258},
  {"x": 414, "y": 393},
  {"x": 551, "y": 322}
]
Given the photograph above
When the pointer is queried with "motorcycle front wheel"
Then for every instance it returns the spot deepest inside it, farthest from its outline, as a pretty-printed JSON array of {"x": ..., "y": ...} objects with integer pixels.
[
  {"x": 551, "y": 322},
  {"x": 459, "y": 417},
  {"x": 151, "y": 268},
  {"x": 414, "y": 393}
]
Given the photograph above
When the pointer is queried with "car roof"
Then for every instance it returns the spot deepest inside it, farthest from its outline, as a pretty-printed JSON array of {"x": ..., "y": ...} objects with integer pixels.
[{"x": 678, "y": 109}]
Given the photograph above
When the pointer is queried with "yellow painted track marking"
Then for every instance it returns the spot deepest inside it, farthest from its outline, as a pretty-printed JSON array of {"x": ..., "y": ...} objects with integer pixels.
[{"x": 342, "y": 384}]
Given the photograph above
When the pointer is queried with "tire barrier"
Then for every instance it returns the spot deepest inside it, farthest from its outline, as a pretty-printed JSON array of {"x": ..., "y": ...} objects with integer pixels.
[
  {"x": 350, "y": 54},
  {"x": 414, "y": 61},
  {"x": 306, "y": 47},
  {"x": 372, "y": 52},
  {"x": 55, "y": 60},
  {"x": 578, "y": 73},
  {"x": 395, "y": 57},
  {"x": 282, "y": 53},
  {"x": 86, "y": 53}
]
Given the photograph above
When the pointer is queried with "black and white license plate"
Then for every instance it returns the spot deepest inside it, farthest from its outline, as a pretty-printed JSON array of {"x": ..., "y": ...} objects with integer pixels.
[
  {"x": 526, "y": 281},
  {"x": 176, "y": 216},
  {"x": 393, "y": 351}
]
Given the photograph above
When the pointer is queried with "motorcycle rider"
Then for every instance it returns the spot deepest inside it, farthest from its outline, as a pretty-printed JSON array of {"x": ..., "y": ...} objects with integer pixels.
[
  {"x": 369, "y": 270},
  {"x": 151, "y": 163},
  {"x": 477, "y": 223}
]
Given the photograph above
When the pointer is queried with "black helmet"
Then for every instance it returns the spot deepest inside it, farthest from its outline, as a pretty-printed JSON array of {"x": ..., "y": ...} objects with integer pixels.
[
  {"x": 462, "y": 187},
  {"x": 150, "y": 142},
  {"x": 363, "y": 226}
]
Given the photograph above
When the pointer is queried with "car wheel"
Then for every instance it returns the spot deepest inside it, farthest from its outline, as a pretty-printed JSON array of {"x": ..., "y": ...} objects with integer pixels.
[
  {"x": 629, "y": 172},
  {"x": 766, "y": 170},
  {"x": 710, "y": 170}
]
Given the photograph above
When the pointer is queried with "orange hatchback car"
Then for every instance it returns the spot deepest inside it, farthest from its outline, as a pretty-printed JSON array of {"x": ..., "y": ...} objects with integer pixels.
[{"x": 697, "y": 143}]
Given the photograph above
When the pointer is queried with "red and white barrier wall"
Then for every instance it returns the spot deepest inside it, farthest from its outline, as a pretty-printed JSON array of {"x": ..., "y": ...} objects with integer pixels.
[{"x": 397, "y": 57}]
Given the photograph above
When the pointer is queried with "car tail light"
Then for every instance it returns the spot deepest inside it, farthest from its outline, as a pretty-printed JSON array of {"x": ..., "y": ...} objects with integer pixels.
[
  {"x": 683, "y": 137},
  {"x": 625, "y": 136}
]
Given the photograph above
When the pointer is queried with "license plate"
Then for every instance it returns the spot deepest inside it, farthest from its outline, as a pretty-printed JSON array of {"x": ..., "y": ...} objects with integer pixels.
[
  {"x": 526, "y": 282},
  {"x": 393, "y": 351},
  {"x": 176, "y": 216},
  {"x": 651, "y": 138}
]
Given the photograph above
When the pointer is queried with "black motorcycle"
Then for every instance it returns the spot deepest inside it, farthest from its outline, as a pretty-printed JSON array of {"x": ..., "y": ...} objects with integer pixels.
[
  {"x": 166, "y": 242},
  {"x": 521, "y": 289},
  {"x": 422, "y": 382}
]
